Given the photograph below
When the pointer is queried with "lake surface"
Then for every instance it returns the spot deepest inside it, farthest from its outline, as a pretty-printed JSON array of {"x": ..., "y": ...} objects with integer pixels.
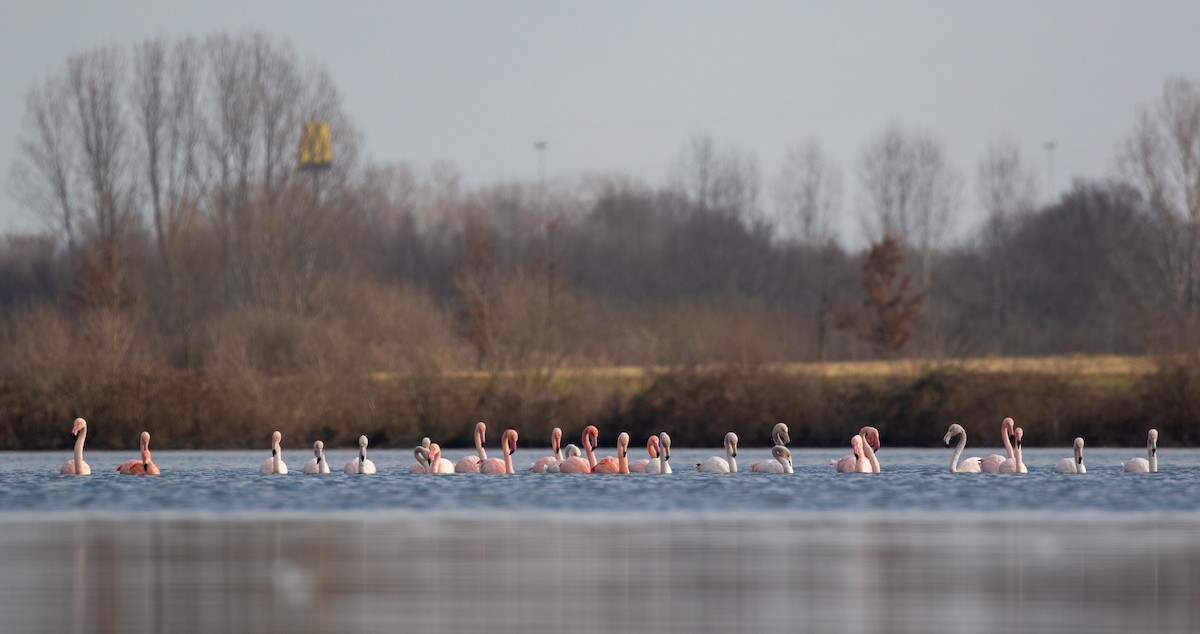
[{"x": 212, "y": 545}]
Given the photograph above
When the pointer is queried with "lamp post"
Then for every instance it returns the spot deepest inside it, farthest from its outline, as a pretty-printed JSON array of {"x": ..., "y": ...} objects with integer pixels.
[{"x": 1050, "y": 145}]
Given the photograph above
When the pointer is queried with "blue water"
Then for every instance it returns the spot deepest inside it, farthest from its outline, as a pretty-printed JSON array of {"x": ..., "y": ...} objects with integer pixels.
[
  {"x": 913, "y": 480},
  {"x": 212, "y": 545}
]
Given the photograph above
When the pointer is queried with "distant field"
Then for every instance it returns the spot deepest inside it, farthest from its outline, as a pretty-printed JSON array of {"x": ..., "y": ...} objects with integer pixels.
[{"x": 1067, "y": 366}]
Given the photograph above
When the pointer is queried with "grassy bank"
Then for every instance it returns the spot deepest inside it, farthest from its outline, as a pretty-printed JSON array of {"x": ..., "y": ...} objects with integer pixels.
[{"x": 1108, "y": 400}]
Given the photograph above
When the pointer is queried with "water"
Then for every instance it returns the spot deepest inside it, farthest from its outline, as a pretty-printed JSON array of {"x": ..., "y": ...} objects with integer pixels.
[{"x": 212, "y": 545}]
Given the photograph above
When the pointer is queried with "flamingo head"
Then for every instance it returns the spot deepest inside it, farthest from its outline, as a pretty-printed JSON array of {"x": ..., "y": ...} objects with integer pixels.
[
  {"x": 556, "y": 439},
  {"x": 780, "y": 434},
  {"x": 1151, "y": 439},
  {"x": 591, "y": 437},
  {"x": 318, "y": 447},
  {"x": 782, "y": 454},
  {"x": 362, "y": 442},
  {"x": 434, "y": 452},
  {"x": 1078, "y": 450},
  {"x": 623, "y": 444},
  {"x": 425, "y": 442},
  {"x": 510, "y": 440},
  {"x": 871, "y": 435},
  {"x": 145, "y": 440},
  {"x": 652, "y": 446},
  {"x": 954, "y": 430},
  {"x": 1008, "y": 426},
  {"x": 571, "y": 451},
  {"x": 664, "y": 445},
  {"x": 78, "y": 426},
  {"x": 731, "y": 442},
  {"x": 1017, "y": 436}
]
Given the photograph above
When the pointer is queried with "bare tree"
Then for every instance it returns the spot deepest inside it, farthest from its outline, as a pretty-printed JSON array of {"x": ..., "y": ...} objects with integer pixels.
[
  {"x": 911, "y": 192},
  {"x": 1161, "y": 158},
  {"x": 885, "y": 318},
  {"x": 44, "y": 178},
  {"x": 1007, "y": 191},
  {"x": 723, "y": 183},
  {"x": 808, "y": 194}
]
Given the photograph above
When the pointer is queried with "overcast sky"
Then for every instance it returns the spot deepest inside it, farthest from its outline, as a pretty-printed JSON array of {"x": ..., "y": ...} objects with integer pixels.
[{"x": 618, "y": 86}]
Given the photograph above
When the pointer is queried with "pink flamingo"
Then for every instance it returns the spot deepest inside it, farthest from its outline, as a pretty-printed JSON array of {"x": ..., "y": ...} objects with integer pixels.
[
  {"x": 1134, "y": 465},
  {"x": 1016, "y": 465},
  {"x": 968, "y": 465},
  {"x": 619, "y": 463},
  {"x": 275, "y": 464},
  {"x": 639, "y": 466},
  {"x": 991, "y": 464},
  {"x": 508, "y": 442},
  {"x": 780, "y": 438},
  {"x": 570, "y": 451},
  {"x": 871, "y": 436},
  {"x": 717, "y": 464},
  {"x": 437, "y": 464},
  {"x": 850, "y": 464},
  {"x": 577, "y": 464},
  {"x": 470, "y": 464},
  {"x": 77, "y": 465},
  {"x": 145, "y": 466},
  {"x": 543, "y": 463}
]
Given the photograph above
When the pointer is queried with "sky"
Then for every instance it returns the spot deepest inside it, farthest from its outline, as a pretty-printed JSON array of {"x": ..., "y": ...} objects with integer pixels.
[{"x": 622, "y": 86}]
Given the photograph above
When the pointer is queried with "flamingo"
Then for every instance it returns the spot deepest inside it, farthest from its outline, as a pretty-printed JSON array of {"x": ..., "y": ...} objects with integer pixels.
[
  {"x": 275, "y": 463},
  {"x": 1067, "y": 465},
  {"x": 579, "y": 465},
  {"x": 639, "y": 466},
  {"x": 421, "y": 455},
  {"x": 853, "y": 462},
  {"x": 77, "y": 465},
  {"x": 438, "y": 464},
  {"x": 470, "y": 464},
  {"x": 318, "y": 463},
  {"x": 870, "y": 436},
  {"x": 781, "y": 458},
  {"x": 361, "y": 464},
  {"x": 618, "y": 463},
  {"x": 1016, "y": 465},
  {"x": 717, "y": 464},
  {"x": 508, "y": 442},
  {"x": 145, "y": 466},
  {"x": 1134, "y": 465},
  {"x": 968, "y": 465},
  {"x": 991, "y": 464},
  {"x": 543, "y": 463},
  {"x": 779, "y": 435},
  {"x": 570, "y": 451},
  {"x": 664, "y": 455}
]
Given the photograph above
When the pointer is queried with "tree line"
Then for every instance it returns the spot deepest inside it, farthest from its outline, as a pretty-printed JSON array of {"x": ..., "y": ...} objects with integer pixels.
[{"x": 182, "y": 240}]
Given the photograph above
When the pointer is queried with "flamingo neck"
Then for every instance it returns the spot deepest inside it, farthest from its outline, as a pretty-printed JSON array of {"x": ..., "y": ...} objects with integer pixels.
[
  {"x": 731, "y": 457},
  {"x": 276, "y": 456},
  {"x": 558, "y": 450},
  {"x": 479, "y": 440},
  {"x": 79, "y": 451},
  {"x": 958, "y": 451},
  {"x": 869, "y": 455},
  {"x": 591, "y": 451},
  {"x": 1151, "y": 450},
  {"x": 1007, "y": 444},
  {"x": 508, "y": 463}
]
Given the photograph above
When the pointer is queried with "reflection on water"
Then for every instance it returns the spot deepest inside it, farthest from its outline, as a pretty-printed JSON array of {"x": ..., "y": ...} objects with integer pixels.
[{"x": 639, "y": 572}]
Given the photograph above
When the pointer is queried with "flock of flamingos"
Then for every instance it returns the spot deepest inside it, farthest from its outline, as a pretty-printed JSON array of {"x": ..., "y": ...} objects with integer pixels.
[{"x": 570, "y": 459}]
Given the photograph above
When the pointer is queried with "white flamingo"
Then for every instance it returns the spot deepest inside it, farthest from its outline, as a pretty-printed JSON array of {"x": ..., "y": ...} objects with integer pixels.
[
  {"x": 318, "y": 463},
  {"x": 360, "y": 464},
  {"x": 782, "y": 457},
  {"x": 1139, "y": 465},
  {"x": 421, "y": 457},
  {"x": 780, "y": 437},
  {"x": 968, "y": 465},
  {"x": 717, "y": 464},
  {"x": 77, "y": 465},
  {"x": 1068, "y": 465},
  {"x": 275, "y": 464}
]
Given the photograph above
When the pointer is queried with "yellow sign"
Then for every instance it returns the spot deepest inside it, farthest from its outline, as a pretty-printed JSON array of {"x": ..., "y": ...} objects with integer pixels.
[{"x": 316, "y": 148}]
